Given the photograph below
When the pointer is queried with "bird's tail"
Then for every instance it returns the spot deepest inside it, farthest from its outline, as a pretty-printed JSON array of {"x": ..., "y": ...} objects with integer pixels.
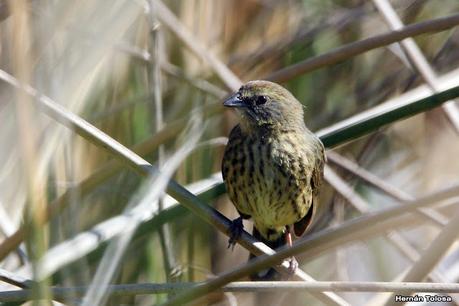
[{"x": 267, "y": 274}]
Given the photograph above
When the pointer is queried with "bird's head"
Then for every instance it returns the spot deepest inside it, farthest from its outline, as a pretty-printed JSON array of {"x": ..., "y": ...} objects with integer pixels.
[{"x": 264, "y": 104}]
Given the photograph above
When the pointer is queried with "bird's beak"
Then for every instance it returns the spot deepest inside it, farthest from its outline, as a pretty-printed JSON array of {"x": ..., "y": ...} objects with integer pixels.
[{"x": 234, "y": 101}]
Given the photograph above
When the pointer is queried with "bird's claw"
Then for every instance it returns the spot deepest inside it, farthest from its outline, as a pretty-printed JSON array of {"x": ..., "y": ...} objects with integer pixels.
[
  {"x": 235, "y": 230},
  {"x": 292, "y": 266}
]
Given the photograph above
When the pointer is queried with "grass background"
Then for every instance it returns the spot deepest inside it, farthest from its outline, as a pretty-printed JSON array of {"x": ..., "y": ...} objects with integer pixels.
[{"x": 144, "y": 77}]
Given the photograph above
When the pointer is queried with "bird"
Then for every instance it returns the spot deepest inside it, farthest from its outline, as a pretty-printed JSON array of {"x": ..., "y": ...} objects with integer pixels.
[{"x": 272, "y": 167}]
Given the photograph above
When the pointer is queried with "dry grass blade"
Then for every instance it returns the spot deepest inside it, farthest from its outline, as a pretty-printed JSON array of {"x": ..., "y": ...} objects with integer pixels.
[
  {"x": 102, "y": 174},
  {"x": 171, "y": 21},
  {"x": 9, "y": 229},
  {"x": 403, "y": 106},
  {"x": 362, "y": 206},
  {"x": 156, "y": 85},
  {"x": 82, "y": 127},
  {"x": 432, "y": 255},
  {"x": 175, "y": 71},
  {"x": 417, "y": 59},
  {"x": 152, "y": 288},
  {"x": 143, "y": 208},
  {"x": 393, "y": 237},
  {"x": 367, "y": 176},
  {"x": 356, "y": 48},
  {"x": 139, "y": 211},
  {"x": 346, "y": 191},
  {"x": 14, "y": 279},
  {"x": 380, "y": 184},
  {"x": 319, "y": 242},
  {"x": 200, "y": 84}
]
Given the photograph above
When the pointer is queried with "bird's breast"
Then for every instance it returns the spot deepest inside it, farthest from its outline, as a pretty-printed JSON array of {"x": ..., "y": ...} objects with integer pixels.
[{"x": 268, "y": 178}]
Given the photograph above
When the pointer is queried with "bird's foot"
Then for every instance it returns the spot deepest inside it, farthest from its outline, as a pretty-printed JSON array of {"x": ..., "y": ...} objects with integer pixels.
[
  {"x": 292, "y": 262},
  {"x": 235, "y": 230},
  {"x": 292, "y": 266}
]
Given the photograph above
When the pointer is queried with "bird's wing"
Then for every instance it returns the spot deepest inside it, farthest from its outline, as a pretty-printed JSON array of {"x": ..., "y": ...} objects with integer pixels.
[
  {"x": 301, "y": 226},
  {"x": 315, "y": 182},
  {"x": 318, "y": 170}
]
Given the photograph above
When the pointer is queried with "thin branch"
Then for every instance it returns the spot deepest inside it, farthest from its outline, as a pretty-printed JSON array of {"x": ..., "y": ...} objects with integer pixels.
[
  {"x": 27, "y": 285},
  {"x": 140, "y": 209},
  {"x": 362, "y": 206},
  {"x": 339, "y": 20},
  {"x": 200, "y": 84},
  {"x": 173, "y": 23},
  {"x": 432, "y": 255},
  {"x": 347, "y": 51},
  {"x": 145, "y": 57},
  {"x": 64, "y": 293},
  {"x": 417, "y": 59},
  {"x": 319, "y": 242},
  {"x": 394, "y": 237},
  {"x": 15, "y": 280},
  {"x": 169, "y": 260},
  {"x": 102, "y": 174},
  {"x": 345, "y": 190},
  {"x": 8, "y": 228},
  {"x": 396, "y": 109},
  {"x": 174, "y": 211},
  {"x": 382, "y": 185}
]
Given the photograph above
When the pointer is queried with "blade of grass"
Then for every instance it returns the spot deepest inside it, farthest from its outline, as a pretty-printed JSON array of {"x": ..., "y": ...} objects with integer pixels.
[
  {"x": 432, "y": 255},
  {"x": 393, "y": 237},
  {"x": 367, "y": 176},
  {"x": 382, "y": 115},
  {"x": 417, "y": 59},
  {"x": 317, "y": 242},
  {"x": 347, "y": 51},
  {"x": 140, "y": 210},
  {"x": 65, "y": 293},
  {"x": 15, "y": 280},
  {"x": 28, "y": 130},
  {"x": 155, "y": 85},
  {"x": 231, "y": 81},
  {"x": 382, "y": 185},
  {"x": 8, "y": 228},
  {"x": 102, "y": 174}
]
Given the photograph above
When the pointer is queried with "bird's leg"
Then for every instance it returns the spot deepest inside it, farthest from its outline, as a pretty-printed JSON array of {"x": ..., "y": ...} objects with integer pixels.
[
  {"x": 235, "y": 230},
  {"x": 288, "y": 236},
  {"x": 293, "y": 263}
]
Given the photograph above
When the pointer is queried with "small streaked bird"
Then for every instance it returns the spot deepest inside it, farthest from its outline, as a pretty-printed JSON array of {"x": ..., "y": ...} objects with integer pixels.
[{"x": 272, "y": 166}]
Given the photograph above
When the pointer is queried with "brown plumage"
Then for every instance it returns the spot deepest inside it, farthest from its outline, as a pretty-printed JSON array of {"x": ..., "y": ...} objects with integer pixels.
[{"x": 273, "y": 165}]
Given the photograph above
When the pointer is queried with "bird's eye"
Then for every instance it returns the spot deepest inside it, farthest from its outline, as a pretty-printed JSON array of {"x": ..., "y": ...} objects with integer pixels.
[{"x": 260, "y": 100}]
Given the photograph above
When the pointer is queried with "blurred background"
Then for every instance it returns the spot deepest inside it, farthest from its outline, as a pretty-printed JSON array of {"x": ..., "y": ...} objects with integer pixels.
[{"x": 152, "y": 75}]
